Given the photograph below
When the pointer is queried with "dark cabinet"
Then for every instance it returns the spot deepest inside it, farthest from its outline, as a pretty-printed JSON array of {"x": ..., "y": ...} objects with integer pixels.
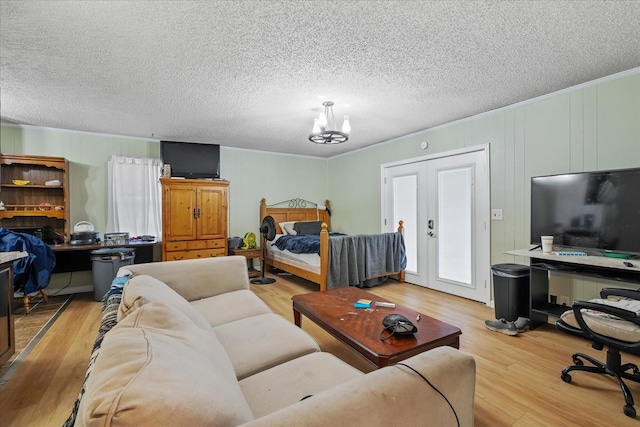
[{"x": 7, "y": 333}]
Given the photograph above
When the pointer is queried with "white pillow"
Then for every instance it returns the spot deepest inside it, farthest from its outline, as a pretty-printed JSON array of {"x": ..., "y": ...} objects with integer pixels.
[{"x": 287, "y": 228}]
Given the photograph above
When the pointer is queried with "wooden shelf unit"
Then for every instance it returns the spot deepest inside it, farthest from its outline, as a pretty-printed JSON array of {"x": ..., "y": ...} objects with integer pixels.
[{"x": 35, "y": 204}]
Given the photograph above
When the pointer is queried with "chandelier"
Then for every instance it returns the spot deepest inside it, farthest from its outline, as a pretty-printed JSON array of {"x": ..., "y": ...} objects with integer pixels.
[{"x": 324, "y": 127}]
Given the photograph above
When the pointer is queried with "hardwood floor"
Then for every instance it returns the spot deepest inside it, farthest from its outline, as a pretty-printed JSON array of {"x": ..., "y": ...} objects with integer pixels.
[
  {"x": 42, "y": 390},
  {"x": 517, "y": 384}
]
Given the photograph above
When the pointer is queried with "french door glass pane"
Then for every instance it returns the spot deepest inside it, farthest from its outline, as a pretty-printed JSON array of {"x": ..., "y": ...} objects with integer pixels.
[
  {"x": 405, "y": 208},
  {"x": 454, "y": 214}
]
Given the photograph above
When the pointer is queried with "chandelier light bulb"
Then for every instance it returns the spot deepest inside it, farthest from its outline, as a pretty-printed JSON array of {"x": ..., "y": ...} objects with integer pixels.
[
  {"x": 322, "y": 120},
  {"x": 346, "y": 126},
  {"x": 316, "y": 127}
]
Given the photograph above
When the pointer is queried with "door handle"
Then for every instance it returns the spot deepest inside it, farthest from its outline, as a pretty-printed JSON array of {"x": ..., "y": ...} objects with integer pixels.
[{"x": 430, "y": 224}]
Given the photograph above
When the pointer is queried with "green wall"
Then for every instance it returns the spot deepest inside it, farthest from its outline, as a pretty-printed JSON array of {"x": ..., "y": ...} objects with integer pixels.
[
  {"x": 252, "y": 174},
  {"x": 592, "y": 127},
  {"x": 88, "y": 155}
]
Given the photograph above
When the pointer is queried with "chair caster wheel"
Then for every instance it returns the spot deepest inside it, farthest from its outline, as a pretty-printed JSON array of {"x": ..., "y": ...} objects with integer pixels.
[
  {"x": 629, "y": 411},
  {"x": 567, "y": 379}
]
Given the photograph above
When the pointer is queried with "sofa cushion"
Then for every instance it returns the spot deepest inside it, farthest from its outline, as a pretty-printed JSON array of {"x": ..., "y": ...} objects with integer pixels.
[
  {"x": 206, "y": 277},
  {"x": 141, "y": 290},
  {"x": 157, "y": 368},
  {"x": 229, "y": 307},
  {"x": 287, "y": 383},
  {"x": 392, "y": 396},
  {"x": 257, "y": 343}
]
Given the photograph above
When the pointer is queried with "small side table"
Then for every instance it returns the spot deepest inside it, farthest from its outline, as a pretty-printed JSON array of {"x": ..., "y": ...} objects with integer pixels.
[{"x": 249, "y": 254}]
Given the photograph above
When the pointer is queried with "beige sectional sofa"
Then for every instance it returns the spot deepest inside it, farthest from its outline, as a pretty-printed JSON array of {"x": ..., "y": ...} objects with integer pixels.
[{"x": 194, "y": 346}]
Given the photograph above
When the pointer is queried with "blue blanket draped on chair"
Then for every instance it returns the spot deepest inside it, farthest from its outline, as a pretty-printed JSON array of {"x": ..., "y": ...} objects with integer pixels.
[{"x": 32, "y": 273}]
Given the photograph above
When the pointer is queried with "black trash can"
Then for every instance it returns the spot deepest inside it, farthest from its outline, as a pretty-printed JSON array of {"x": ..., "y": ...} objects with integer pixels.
[
  {"x": 511, "y": 290},
  {"x": 105, "y": 266}
]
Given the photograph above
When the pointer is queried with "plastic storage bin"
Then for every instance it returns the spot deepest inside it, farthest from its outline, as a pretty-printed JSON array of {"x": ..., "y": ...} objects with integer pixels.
[
  {"x": 511, "y": 290},
  {"x": 105, "y": 265}
]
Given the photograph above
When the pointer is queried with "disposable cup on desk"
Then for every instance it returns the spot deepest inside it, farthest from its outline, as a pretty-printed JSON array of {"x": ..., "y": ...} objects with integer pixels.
[{"x": 547, "y": 244}]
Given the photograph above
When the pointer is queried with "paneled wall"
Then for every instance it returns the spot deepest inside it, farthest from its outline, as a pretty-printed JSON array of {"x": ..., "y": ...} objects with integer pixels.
[{"x": 592, "y": 127}]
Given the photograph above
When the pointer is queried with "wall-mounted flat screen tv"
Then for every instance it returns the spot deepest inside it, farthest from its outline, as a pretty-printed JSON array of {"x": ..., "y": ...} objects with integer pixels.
[
  {"x": 191, "y": 160},
  {"x": 589, "y": 210}
]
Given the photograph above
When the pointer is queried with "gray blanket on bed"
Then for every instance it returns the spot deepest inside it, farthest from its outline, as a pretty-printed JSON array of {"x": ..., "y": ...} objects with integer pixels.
[{"x": 361, "y": 260}]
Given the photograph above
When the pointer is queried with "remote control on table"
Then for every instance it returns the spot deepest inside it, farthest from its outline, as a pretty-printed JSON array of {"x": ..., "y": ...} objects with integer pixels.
[{"x": 385, "y": 304}]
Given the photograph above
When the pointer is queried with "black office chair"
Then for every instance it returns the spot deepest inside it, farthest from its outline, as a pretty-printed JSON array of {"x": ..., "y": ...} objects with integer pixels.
[{"x": 607, "y": 323}]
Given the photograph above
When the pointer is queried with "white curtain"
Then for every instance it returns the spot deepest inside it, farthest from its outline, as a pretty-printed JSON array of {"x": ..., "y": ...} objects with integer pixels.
[{"x": 135, "y": 196}]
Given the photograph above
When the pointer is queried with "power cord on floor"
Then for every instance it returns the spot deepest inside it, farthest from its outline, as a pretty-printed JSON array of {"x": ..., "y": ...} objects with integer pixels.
[
  {"x": 433, "y": 387},
  {"x": 65, "y": 286}
]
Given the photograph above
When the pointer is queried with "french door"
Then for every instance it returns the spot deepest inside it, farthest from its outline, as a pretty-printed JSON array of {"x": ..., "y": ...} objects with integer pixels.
[
  {"x": 444, "y": 202},
  {"x": 403, "y": 186},
  {"x": 458, "y": 226}
]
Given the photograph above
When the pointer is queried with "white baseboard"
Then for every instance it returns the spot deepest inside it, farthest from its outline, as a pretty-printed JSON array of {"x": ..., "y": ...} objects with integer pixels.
[{"x": 72, "y": 290}]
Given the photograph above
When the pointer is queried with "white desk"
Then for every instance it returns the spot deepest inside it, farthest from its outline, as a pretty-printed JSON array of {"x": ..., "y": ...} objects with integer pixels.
[{"x": 590, "y": 266}]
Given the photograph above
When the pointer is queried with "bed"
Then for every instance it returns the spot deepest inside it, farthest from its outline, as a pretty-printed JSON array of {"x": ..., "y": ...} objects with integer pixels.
[{"x": 319, "y": 267}]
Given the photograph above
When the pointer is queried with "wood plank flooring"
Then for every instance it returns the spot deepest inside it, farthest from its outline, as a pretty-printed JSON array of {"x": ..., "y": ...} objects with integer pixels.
[{"x": 517, "y": 384}]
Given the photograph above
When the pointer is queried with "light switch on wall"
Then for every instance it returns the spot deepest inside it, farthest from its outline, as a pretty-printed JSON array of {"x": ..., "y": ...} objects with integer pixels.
[{"x": 496, "y": 214}]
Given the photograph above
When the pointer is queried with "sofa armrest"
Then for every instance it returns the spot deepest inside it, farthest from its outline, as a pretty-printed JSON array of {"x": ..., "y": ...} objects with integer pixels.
[
  {"x": 392, "y": 395},
  {"x": 197, "y": 278}
]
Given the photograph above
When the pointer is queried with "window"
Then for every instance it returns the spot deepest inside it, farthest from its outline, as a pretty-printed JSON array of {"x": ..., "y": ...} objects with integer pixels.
[{"x": 134, "y": 196}]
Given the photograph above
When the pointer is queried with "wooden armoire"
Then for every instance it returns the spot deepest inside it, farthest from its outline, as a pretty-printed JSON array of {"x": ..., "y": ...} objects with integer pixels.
[{"x": 194, "y": 218}]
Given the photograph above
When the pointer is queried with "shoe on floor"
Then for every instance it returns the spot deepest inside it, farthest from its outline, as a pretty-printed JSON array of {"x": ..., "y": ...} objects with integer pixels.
[
  {"x": 501, "y": 325},
  {"x": 522, "y": 324}
]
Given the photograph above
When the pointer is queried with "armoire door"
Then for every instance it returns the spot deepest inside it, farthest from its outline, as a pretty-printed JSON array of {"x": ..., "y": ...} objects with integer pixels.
[
  {"x": 211, "y": 212},
  {"x": 179, "y": 212}
]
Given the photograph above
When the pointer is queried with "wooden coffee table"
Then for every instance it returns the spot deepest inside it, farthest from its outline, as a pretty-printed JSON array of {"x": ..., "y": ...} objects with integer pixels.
[{"x": 360, "y": 329}]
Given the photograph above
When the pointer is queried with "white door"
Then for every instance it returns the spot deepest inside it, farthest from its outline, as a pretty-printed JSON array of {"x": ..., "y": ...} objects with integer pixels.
[
  {"x": 404, "y": 199},
  {"x": 458, "y": 225}
]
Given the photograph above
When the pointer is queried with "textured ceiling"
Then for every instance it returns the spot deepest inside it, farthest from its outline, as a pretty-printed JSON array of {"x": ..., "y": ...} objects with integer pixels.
[{"x": 253, "y": 74}]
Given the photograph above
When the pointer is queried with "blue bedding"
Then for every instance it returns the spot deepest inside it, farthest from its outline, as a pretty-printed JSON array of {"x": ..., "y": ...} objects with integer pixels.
[{"x": 307, "y": 244}]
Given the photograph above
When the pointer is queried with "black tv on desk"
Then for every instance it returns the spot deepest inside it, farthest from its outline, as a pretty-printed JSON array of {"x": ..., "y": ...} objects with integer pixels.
[{"x": 598, "y": 211}]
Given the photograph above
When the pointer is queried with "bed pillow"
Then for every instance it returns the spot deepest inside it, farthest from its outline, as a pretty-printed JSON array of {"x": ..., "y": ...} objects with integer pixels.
[
  {"x": 287, "y": 228},
  {"x": 308, "y": 227}
]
